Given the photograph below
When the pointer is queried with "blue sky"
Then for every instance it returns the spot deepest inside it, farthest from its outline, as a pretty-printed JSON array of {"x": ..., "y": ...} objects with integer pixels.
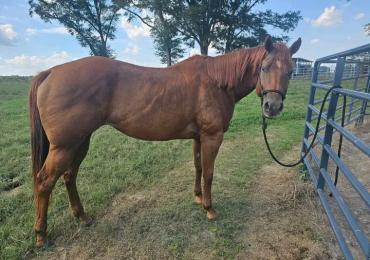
[{"x": 28, "y": 45}]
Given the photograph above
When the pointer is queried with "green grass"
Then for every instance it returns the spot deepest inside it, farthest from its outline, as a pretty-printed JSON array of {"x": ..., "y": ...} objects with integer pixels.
[{"x": 117, "y": 164}]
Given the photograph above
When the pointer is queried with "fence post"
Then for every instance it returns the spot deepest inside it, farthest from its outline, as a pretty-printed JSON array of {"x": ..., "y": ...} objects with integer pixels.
[
  {"x": 360, "y": 120},
  {"x": 311, "y": 99},
  {"x": 358, "y": 69},
  {"x": 330, "y": 115}
]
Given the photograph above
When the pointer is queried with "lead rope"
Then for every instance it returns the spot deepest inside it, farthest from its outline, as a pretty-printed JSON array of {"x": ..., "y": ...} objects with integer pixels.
[{"x": 264, "y": 127}]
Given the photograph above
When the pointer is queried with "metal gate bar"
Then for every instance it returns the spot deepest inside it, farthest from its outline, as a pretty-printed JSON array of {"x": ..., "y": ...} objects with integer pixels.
[{"x": 322, "y": 178}]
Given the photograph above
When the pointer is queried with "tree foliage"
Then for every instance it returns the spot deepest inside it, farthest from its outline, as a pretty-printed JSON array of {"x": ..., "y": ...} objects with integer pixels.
[
  {"x": 241, "y": 27},
  {"x": 92, "y": 21},
  {"x": 15, "y": 79},
  {"x": 228, "y": 24},
  {"x": 167, "y": 42}
]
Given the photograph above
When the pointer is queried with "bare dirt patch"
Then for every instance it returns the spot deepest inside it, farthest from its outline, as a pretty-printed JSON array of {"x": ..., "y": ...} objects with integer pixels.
[{"x": 287, "y": 221}]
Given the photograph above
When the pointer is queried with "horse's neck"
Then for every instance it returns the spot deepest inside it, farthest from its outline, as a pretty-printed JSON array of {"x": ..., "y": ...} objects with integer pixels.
[
  {"x": 247, "y": 85},
  {"x": 237, "y": 71}
]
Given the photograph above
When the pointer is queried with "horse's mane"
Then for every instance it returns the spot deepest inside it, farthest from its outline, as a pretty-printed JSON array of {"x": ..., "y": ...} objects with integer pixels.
[{"x": 229, "y": 69}]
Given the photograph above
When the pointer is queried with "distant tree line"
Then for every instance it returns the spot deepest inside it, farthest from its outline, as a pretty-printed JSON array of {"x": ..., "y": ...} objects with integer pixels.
[{"x": 15, "y": 79}]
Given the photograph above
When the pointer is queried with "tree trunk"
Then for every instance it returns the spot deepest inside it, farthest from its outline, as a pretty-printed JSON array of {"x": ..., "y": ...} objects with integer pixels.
[
  {"x": 204, "y": 48},
  {"x": 227, "y": 46},
  {"x": 169, "y": 61},
  {"x": 103, "y": 51}
]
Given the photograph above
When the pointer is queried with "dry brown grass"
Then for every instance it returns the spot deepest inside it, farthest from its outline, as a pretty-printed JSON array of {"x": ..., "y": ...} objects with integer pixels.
[{"x": 287, "y": 219}]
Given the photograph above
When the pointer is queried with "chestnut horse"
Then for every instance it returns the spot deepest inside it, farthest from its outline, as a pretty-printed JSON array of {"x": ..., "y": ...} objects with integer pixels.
[{"x": 193, "y": 99}]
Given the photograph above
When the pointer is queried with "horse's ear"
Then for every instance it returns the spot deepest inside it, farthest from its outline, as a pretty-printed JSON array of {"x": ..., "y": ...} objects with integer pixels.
[
  {"x": 295, "y": 46},
  {"x": 269, "y": 45}
]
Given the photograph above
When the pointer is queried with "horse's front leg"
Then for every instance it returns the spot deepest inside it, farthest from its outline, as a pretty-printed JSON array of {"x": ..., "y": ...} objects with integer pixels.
[
  {"x": 198, "y": 171},
  {"x": 210, "y": 145}
]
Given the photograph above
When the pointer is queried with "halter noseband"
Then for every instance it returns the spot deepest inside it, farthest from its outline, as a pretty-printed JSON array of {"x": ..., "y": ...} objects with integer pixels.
[{"x": 264, "y": 92}]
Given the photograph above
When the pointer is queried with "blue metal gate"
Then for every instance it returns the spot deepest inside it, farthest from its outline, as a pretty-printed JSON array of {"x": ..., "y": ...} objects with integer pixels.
[{"x": 359, "y": 98}]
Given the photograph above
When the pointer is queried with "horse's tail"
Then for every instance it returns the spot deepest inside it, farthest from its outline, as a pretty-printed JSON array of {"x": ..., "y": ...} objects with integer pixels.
[{"x": 39, "y": 141}]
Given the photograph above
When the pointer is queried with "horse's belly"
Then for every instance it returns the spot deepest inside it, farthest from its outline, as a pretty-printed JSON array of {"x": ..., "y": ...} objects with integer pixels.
[{"x": 162, "y": 130}]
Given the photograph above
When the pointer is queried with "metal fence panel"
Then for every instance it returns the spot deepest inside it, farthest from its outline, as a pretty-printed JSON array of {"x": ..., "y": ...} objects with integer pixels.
[{"x": 342, "y": 69}]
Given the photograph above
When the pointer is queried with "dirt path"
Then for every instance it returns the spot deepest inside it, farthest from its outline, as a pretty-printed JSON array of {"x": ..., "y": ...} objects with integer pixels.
[{"x": 281, "y": 218}]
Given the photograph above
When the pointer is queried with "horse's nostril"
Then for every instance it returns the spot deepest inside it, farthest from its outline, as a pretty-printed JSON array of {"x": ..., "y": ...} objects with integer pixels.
[
  {"x": 281, "y": 107},
  {"x": 267, "y": 106}
]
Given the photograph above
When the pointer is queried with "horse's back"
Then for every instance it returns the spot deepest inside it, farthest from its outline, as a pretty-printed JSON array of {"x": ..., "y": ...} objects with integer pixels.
[{"x": 146, "y": 103}]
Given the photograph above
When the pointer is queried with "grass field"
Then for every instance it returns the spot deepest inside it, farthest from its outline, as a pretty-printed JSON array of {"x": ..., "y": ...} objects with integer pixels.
[{"x": 120, "y": 171}]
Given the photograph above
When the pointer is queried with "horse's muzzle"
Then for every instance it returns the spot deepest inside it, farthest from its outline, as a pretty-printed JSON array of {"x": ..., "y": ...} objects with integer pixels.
[{"x": 272, "y": 107}]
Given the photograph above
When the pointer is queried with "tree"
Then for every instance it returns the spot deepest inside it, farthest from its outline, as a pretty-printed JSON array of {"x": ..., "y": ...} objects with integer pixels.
[
  {"x": 196, "y": 20},
  {"x": 92, "y": 21},
  {"x": 167, "y": 44},
  {"x": 240, "y": 27},
  {"x": 163, "y": 31},
  {"x": 228, "y": 24}
]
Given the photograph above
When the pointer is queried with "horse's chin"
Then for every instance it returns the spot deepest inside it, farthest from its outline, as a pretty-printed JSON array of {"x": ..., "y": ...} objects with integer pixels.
[{"x": 271, "y": 116}]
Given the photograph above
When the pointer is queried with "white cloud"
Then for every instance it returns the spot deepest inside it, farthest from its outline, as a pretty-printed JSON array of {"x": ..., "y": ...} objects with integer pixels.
[
  {"x": 359, "y": 16},
  {"x": 132, "y": 49},
  {"x": 154, "y": 65},
  {"x": 31, "y": 31},
  {"x": 8, "y": 37},
  {"x": 315, "y": 41},
  {"x": 349, "y": 38},
  {"x": 36, "y": 17},
  {"x": 346, "y": 5},
  {"x": 134, "y": 31},
  {"x": 331, "y": 16},
  {"x": 194, "y": 52},
  {"x": 212, "y": 51},
  {"x": 27, "y": 39},
  {"x": 30, "y": 65},
  {"x": 60, "y": 30},
  {"x": 307, "y": 19},
  {"x": 126, "y": 58}
]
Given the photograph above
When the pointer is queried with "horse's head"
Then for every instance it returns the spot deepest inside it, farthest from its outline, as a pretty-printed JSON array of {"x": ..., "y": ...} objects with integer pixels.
[{"x": 274, "y": 74}]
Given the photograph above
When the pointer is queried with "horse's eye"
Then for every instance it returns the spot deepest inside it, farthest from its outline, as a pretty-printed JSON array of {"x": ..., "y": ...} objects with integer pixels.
[{"x": 264, "y": 69}]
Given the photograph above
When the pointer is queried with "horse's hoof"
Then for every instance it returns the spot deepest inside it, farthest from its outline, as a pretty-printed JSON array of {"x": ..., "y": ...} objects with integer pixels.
[
  {"x": 198, "y": 200},
  {"x": 44, "y": 245},
  {"x": 219, "y": 217},
  {"x": 42, "y": 240},
  {"x": 48, "y": 245},
  {"x": 91, "y": 223},
  {"x": 214, "y": 216}
]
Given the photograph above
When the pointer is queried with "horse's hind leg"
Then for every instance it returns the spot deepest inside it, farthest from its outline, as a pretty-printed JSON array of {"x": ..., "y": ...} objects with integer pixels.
[
  {"x": 57, "y": 162},
  {"x": 198, "y": 171},
  {"x": 70, "y": 181}
]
